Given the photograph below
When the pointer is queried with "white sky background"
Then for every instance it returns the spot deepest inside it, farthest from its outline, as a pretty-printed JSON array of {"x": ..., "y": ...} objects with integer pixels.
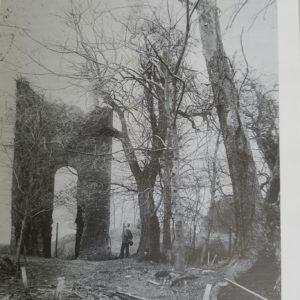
[
  {"x": 289, "y": 79},
  {"x": 65, "y": 178},
  {"x": 261, "y": 48},
  {"x": 41, "y": 18}
]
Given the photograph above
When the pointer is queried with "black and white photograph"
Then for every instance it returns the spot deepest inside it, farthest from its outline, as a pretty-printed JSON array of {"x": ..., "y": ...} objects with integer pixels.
[{"x": 139, "y": 149}]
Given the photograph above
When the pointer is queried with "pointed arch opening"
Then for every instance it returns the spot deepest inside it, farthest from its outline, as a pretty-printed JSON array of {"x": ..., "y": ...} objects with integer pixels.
[{"x": 64, "y": 228}]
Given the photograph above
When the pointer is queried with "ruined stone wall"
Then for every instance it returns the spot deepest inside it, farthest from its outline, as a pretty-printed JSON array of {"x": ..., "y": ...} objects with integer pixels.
[
  {"x": 33, "y": 176},
  {"x": 93, "y": 161},
  {"x": 47, "y": 138}
]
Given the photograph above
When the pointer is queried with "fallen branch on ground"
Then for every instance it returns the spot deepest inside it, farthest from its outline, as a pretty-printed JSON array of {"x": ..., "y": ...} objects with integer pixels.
[
  {"x": 153, "y": 282},
  {"x": 245, "y": 289},
  {"x": 206, "y": 272},
  {"x": 183, "y": 277}
]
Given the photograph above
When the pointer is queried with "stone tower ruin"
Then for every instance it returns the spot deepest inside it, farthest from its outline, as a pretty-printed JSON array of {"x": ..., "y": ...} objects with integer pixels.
[{"x": 47, "y": 137}]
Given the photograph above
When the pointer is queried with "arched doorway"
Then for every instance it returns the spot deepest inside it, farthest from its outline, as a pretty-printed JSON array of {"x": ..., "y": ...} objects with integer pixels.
[
  {"x": 64, "y": 213},
  {"x": 86, "y": 138}
]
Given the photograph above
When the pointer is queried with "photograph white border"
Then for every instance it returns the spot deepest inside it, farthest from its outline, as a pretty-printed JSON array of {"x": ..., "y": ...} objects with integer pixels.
[{"x": 289, "y": 84}]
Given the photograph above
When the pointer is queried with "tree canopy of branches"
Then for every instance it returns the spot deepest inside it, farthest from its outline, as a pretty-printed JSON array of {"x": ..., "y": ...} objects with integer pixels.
[{"x": 145, "y": 94}]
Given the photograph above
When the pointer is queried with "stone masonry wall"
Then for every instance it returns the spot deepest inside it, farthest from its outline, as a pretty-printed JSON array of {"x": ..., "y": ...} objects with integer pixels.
[{"x": 48, "y": 137}]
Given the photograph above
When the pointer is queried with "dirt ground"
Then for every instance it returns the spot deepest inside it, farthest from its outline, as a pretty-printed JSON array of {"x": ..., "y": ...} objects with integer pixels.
[
  {"x": 110, "y": 280},
  {"x": 98, "y": 280}
]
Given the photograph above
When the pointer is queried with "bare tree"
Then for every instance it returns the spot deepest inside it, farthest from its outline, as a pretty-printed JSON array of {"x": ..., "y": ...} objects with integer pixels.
[
  {"x": 160, "y": 79},
  {"x": 249, "y": 209}
]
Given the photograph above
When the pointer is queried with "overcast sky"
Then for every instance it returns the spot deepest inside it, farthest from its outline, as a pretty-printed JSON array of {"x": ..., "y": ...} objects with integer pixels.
[{"x": 43, "y": 20}]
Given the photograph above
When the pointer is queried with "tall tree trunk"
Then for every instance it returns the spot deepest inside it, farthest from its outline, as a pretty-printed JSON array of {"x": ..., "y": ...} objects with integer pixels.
[
  {"x": 171, "y": 166},
  {"x": 150, "y": 230},
  {"x": 249, "y": 212},
  {"x": 167, "y": 201},
  {"x": 179, "y": 247}
]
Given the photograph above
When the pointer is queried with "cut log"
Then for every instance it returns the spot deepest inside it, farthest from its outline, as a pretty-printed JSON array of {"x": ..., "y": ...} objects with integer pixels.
[
  {"x": 59, "y": 289},
  {"x": 24, "y": 277},
  {"x": 126, "y": 296},
  {"x": 206, "y": 295},
  {"x": 122, "y": 295}
]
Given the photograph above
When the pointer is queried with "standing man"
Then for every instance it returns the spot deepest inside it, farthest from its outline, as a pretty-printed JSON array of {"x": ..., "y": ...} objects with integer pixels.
[{"x": 126, "y": 241}]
